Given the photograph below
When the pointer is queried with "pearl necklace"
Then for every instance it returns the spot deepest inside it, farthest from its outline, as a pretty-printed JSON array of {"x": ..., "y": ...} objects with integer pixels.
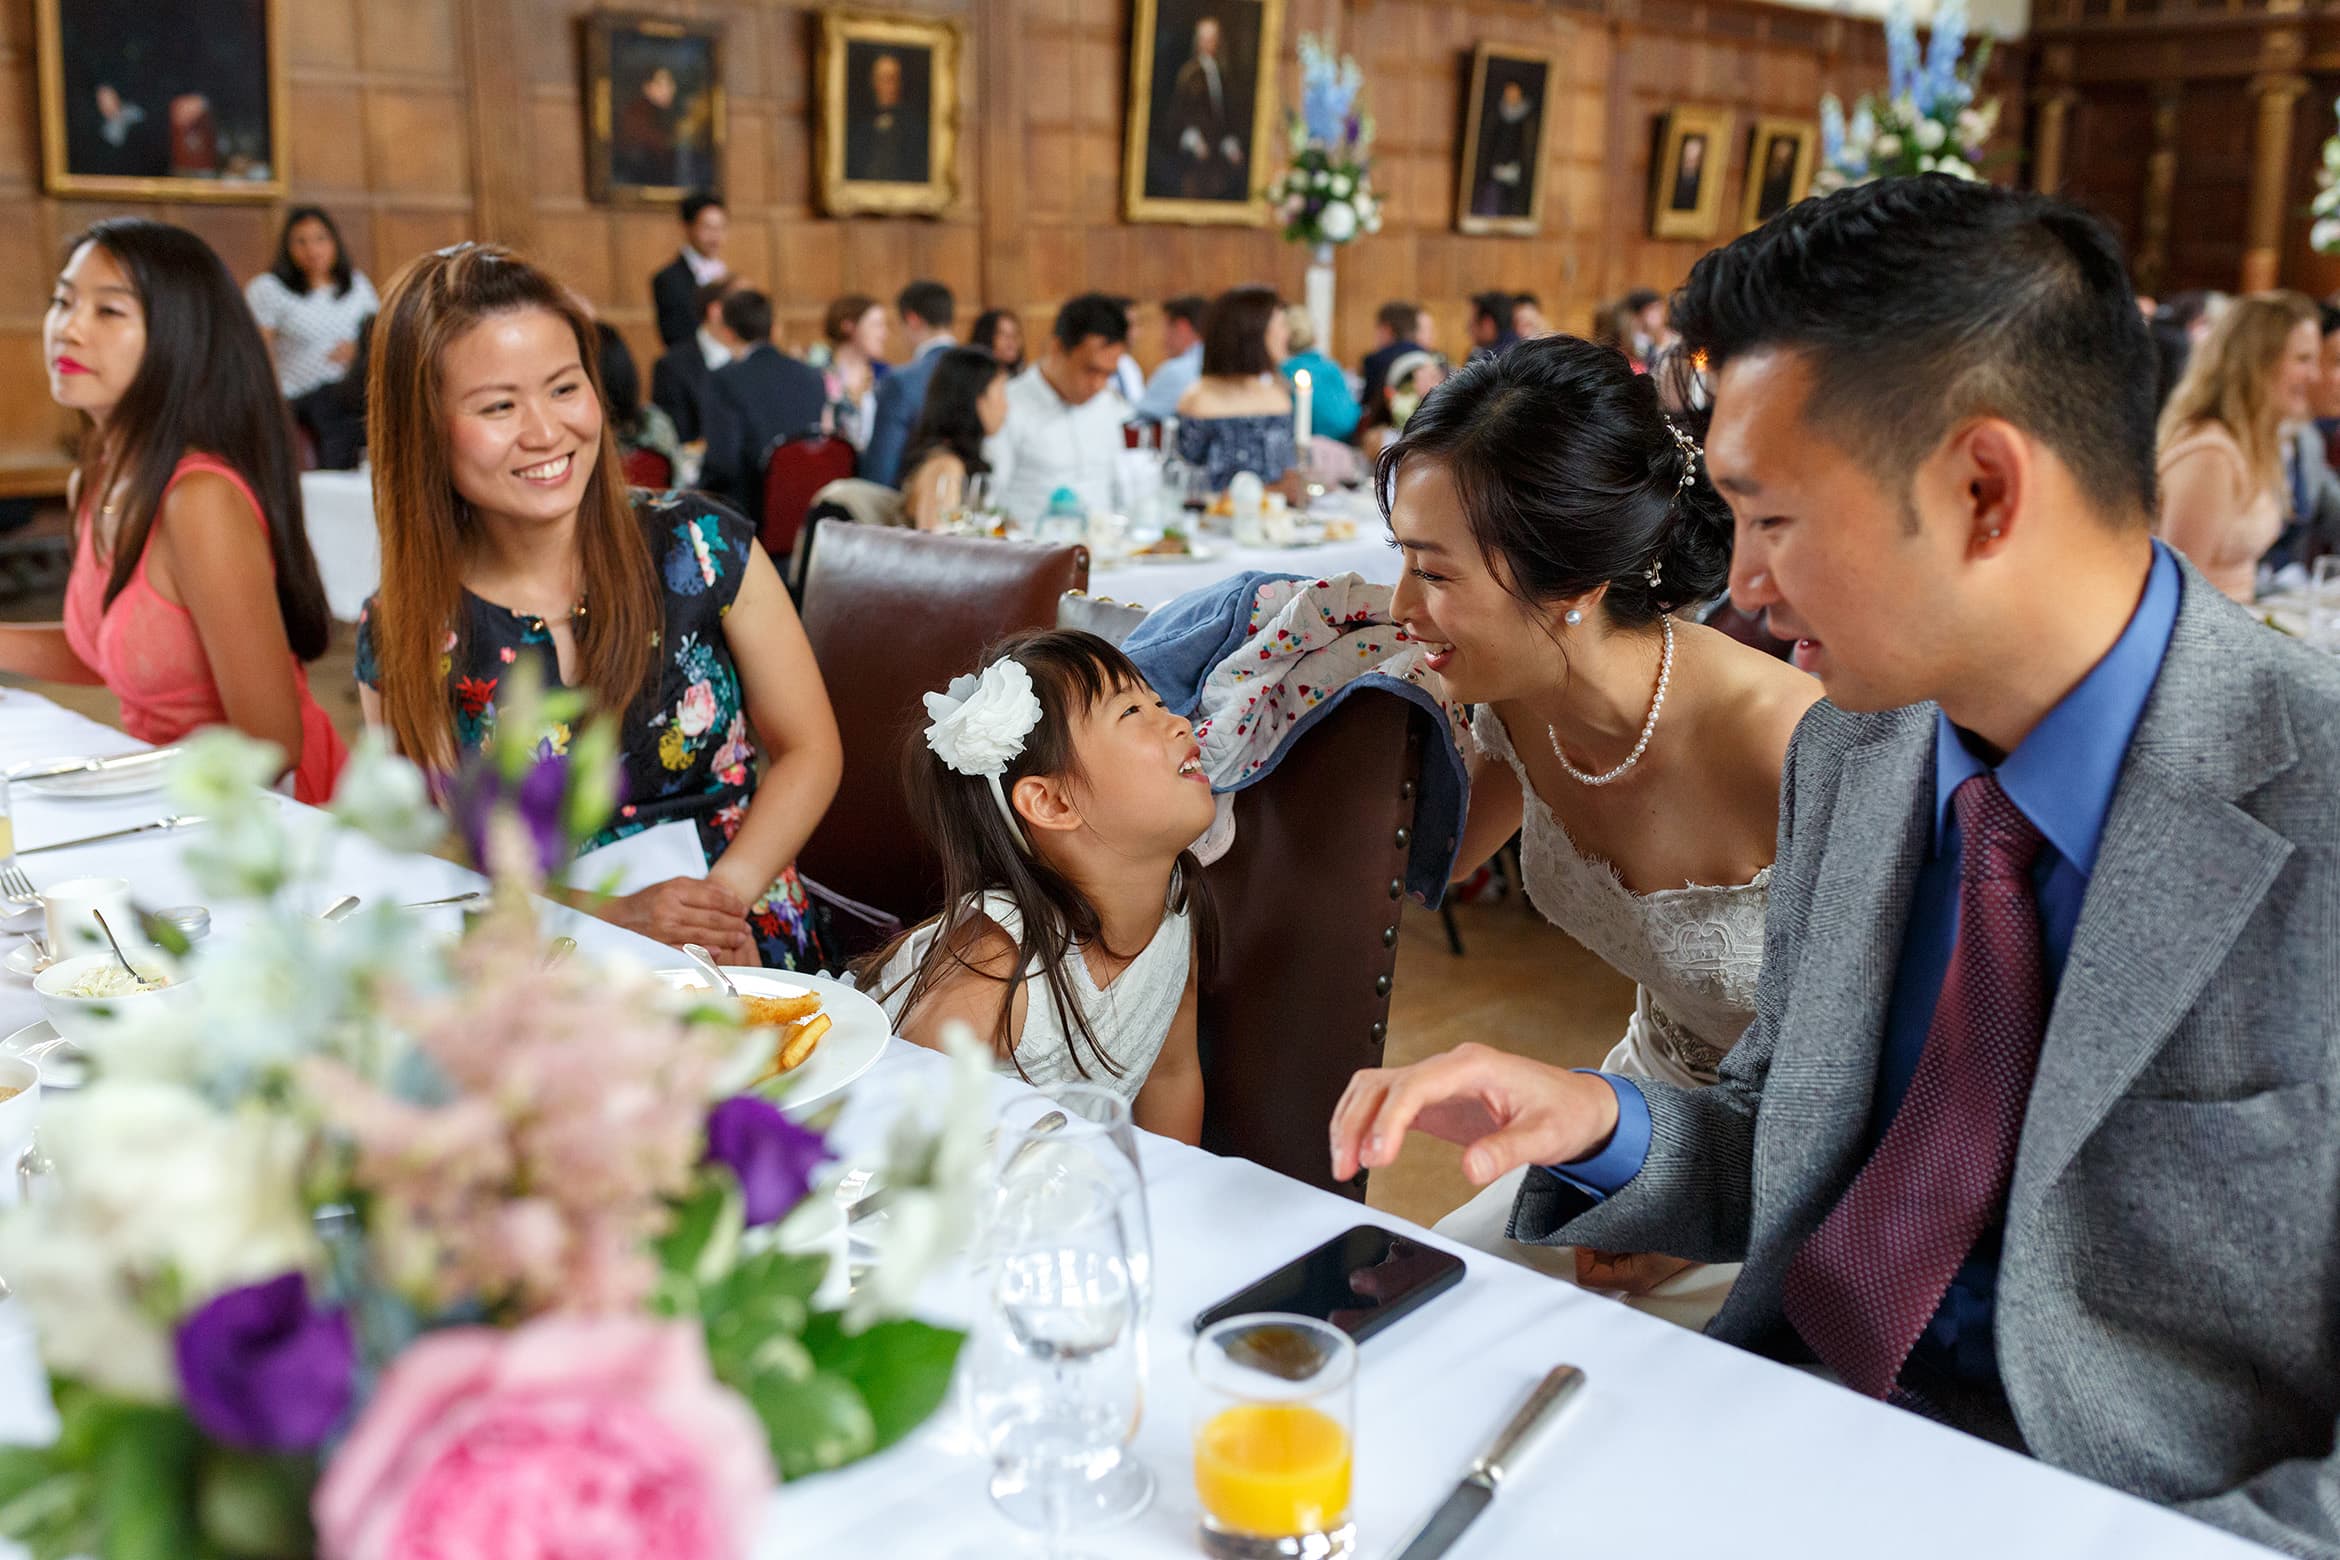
[{"x": 1665, "y": 675}]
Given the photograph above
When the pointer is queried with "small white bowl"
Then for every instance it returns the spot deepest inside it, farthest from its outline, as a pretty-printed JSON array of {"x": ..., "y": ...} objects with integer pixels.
[{"x": 79, "y": 1018}]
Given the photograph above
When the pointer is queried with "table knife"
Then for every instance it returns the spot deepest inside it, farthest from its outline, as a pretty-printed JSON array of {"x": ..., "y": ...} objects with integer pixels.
[
  {"x": 93, "y": 766},
  {"x": 1505, "y": 1453},
  {"x": 183, "y": 821}
]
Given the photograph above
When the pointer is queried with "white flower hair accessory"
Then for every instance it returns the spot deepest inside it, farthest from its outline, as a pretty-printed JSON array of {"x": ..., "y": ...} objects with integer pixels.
[{"x": 979, "y": 725}]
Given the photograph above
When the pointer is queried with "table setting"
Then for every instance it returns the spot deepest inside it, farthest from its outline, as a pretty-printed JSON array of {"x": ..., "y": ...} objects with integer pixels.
[{"x": 944, "y": 1314}]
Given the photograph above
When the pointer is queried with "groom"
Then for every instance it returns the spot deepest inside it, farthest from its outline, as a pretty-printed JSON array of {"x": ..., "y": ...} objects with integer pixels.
[{"x": 2037, "y": 1128}]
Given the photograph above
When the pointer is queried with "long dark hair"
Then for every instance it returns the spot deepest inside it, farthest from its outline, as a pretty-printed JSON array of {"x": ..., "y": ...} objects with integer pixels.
[
  {"x": 204, "y": 386},
  {"x": 986, "y": 334},
  {"x": 1235, "y": 330},
  {"x": 981, "y": 851},
  {"x": 294, "y": 278},
  {"x": 948, "y": 419},
  {"x": 1567, "y": 468},
  {"x": 621, "y": 380}
]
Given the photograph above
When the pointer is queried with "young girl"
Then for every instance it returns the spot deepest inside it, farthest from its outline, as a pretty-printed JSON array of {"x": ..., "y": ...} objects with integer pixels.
[{"x": 1062, "y": 796}]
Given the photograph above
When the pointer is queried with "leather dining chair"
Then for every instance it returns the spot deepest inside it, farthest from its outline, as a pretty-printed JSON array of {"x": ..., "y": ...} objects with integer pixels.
[
  {"x": 893, "y": 614},
  {"x": 794, "y": 470}
]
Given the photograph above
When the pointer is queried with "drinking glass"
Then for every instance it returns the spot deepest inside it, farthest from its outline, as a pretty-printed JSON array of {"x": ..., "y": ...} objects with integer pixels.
[
  {"x": 1274, "y": 1438},
  {"x": 1095, "y": 1138},
  {"x": 2324, "y": 604},
  {"x": 1054, "y": 1368},
  {"x": 7, "y": 824}
]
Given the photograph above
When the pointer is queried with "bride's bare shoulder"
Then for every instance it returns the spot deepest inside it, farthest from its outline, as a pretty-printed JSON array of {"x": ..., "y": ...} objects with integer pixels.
[{"x": 1760, "y": 700}]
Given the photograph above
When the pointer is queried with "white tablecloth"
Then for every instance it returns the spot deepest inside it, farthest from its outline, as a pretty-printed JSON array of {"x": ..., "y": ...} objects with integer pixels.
[
  {"x": 1678, "y": 1445},
  {"x": 1150, "y": 584},
  {"x": 339, "y": 507}
]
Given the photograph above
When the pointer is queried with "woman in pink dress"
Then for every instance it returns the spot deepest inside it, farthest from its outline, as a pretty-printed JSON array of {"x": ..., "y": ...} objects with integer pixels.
[{"x": 194, "y": 596}]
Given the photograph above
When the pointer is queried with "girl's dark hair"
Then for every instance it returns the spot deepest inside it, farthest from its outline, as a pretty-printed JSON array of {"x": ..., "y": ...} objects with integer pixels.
[
  {"x": 1568, "y": 470},
  {"x": 986, "y": 332},
  {"x": 948, "y": 419},
  {"x": 621, "y": 379},
  {"x": 295, "y": 279},
  {"x": 1235, "y": 332},
  {"x": 981, "y": 851},
  {"x": 204, "y": 386}
]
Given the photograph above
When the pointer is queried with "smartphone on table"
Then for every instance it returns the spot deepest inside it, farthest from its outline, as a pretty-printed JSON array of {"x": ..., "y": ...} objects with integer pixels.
[{"x": 1360, "y": 1282}]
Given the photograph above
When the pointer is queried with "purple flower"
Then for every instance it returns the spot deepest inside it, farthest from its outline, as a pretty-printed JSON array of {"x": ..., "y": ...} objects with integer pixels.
[
  {"x": 265, "y": 1370},
  {"x": 772, "y": 1156},
  {"x": 481, "y": 792}
]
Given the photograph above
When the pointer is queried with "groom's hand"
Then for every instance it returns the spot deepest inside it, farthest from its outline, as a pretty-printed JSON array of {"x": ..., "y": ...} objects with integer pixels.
[{"x": 1505, "y": 1110}]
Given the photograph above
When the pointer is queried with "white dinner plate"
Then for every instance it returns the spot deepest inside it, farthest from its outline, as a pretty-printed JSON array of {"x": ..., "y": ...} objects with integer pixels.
[
  {"x": 858, "y": 1031},
  {"x": 102, "y": 784},
  {"x": 62, "y": 1064}
]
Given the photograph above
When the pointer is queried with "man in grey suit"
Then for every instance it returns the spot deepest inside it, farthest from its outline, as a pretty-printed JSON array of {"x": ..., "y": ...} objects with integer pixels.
[{"x": 2035, "y": 1130}]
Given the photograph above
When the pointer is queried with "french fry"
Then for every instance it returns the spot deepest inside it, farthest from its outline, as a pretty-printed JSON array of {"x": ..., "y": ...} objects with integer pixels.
[
  {"x": 797, "y": 1043},
  {"x": 761, "y": 1012}
]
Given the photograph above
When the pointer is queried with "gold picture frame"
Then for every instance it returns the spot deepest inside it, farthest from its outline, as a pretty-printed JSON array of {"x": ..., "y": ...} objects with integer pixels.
[
  {"x": 1688, "y": 172},
  {"x": 655, "y": 112},
  {"x": 1179, "y": 170},
  {"x": 1769, "y": 188},
  {"x": 1486, "y": 199},
  {"x": 119, "y": 121},
  {"x": 877, "y": 74}
]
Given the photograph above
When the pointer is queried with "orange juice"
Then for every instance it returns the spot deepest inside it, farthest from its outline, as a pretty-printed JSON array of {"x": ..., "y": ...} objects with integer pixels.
[{"x": 1273, "y": 1470}]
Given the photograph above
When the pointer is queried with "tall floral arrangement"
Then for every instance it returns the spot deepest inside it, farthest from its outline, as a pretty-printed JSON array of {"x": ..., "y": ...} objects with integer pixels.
[
  {"x": 374, "y": 1245},
  {"x": 1925, "y": 121},
  {"x": 2324, "y": 231},
  {"x": 1325, "y": 196}
]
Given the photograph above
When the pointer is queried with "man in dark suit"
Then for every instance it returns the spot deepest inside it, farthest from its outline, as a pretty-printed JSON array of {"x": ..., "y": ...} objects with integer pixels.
[
  {"x": 1207, "y": 130},
  {"x": 674, "y": 288},
  {"x": 2035, "y": 1129},
  {"x": 927, "y": 309},
  {"x": 761, "y": 398},
  {"x": 683, "y": 379},
  {"x": 885, "y": 135},
  {"x": 1395, "y": 328}
]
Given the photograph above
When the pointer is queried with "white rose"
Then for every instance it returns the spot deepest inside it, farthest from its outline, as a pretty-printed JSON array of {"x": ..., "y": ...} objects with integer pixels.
[
  {"x": 2325, "y": 236},
  {"x": 1931, "y": 135},
  {"x": 1323, "y": 180},
  {"x": 1927, "y": 165},
  {"x": 1956, "y": 168},
  {"x": 979, "y": 727},
  {"x": 1888, "y": 147},
  {"x": 1338, "y": 222},
  {"x": 383, "y": 797},
  {"x": 1343, "y": 186},
  {"x": 1973, "y": 129}
]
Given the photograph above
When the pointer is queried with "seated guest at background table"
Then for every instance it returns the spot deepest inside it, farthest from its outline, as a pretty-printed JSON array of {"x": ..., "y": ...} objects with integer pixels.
[
  {"x": 1491, "y": 332},
  {"x": 2311, "y": 489},
  {"x": 1332, "y": 408},
  {"x": 1064, "y": 421},
  {"x": 1411, "y": 378},
  {"x": 334, "y": 415},
  {"x": 851, "y": 359},
  {"x": 762, "y": 397},
  {"x": 507, "y": 531},
  {"x": 194, "y": 596},
  {"x": 310, "y": 303},
  {"x": 1553, "y": 519},
  {"x": 1061, "y": 798},
  {"x": 640, "y": 428},
  {"x": 2083, "y": 903},
  {"x": 2223, "y": 497},
  {"x": 1181, "y": 365},
  {"x": 1000, "y": 333},
  {"x": 927, "y": 309},
  {"x": 683, "y": 379},
  {"x": 966, "y": 403},
  {"x": 1238, "y": 415},
  {"x": 1650, "y": 333},
  {"x": 1527, "y": 317},
  {"x": 674, "y": 287},
  {"x": 1396, "y": 331}
]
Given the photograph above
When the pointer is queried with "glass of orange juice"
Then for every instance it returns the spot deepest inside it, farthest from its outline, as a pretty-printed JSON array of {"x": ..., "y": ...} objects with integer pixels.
[
  {"x": 1274, "y": 1430},
  {"x": 7, "y": 824}
]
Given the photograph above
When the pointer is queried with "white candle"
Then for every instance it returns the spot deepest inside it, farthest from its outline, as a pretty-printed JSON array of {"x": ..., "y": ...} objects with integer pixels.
[{"x": 1301, "y": 399}]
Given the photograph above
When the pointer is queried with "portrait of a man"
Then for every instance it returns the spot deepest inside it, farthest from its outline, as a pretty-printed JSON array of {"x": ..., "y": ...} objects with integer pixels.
[
  {"x": 1199, "y": 92},
  {"x": 1689, "y": 173},
  {"x": 1688, "y": 170},
  {"x": 888, "y": 89},
  {"x": 142, "y": 96},
  {"x": 888, "y": 107},
  {"x": 655, "y": 95},
  {"x": 1779, "y": 169},
  {"x": 1503, "y": 142}
]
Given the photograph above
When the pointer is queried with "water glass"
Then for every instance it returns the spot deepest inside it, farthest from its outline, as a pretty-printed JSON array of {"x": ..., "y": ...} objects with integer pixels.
[
  {"x": 1080, "y": 1130},
  {"x": 1274, "y": 1438}
]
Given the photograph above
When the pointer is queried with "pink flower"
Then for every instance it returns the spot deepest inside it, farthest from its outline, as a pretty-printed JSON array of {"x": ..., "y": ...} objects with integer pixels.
[
  {"x": 698, "y": 708},
  {"x": 586, "y": 1439}
]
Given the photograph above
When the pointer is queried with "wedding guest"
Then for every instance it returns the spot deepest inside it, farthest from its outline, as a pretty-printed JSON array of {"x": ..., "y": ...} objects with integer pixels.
[
  {"x": 926, "y": 309},
  {"x": 1491, "y": 332},
  {"x": 1650, "y": 332},
  {"x": 310, "y": 303},
  {"x": 1411, "y": 378},
  {"x": 1554, "y": 519},
  {"x": 2223, "y": 497},
  {"x": 1073, "y": 910},
  {"x": 508, "y": 532},
  {"x": 2059, "y": 829},
  {"x": 682, "y": 381},
  {"x": 966, "y": 404},
  {"x": 641, "y": 428},
  {"x": 1332, "y": 409},
  {"x": 763, "y": 397},
  {"x": 2311, "y": 489},
  {"x": 1238, "y": 415},
  {"x": 1397, "y": 329},
  {"x": 1000, "y": 333},
  {"x": 1064, "y": 421},
  {"x": 193, "y": 596},
  {"x": 1527, "y": 317},
  {"x": 1182, "y": 354},
  {"x": 853, "y": 332},
  {"x": 674, "y": 288}
]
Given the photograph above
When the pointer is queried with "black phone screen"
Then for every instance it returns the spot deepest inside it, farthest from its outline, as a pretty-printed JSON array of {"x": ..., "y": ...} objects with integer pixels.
[{"x": 1360, "y": 1282}]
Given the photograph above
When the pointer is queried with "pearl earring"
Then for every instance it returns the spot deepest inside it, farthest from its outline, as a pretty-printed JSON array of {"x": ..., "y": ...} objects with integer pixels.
[{"x": 1573, "y": 618}]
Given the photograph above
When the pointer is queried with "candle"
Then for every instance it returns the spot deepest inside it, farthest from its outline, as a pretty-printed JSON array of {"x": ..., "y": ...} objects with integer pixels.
[{"x": 1302, "y": 398}]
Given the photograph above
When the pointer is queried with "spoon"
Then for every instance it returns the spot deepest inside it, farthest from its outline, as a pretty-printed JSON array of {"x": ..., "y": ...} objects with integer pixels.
[
  {"x": 340, "y": 907},
  {"x": 452, "y": 899},
  {"x": 706, "y": 961},
  {"x": 143, "y": 983}
]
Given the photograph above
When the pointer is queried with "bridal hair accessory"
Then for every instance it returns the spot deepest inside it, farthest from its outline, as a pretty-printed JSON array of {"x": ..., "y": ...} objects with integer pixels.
[
  {"x": 1690, "y": 453},
  {"x": 980, "y": 724}
]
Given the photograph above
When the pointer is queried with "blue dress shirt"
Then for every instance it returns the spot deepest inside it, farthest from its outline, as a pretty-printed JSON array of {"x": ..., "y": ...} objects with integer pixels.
[{"x": 2062, "y": 777}]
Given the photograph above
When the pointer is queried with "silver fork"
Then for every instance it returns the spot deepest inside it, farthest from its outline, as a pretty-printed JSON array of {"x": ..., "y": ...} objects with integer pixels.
[{"x": 16, "y": 889}]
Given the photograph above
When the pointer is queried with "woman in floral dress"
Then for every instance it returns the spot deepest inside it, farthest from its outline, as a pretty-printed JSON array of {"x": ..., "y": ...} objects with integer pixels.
[{"x": 507, "y": 532}]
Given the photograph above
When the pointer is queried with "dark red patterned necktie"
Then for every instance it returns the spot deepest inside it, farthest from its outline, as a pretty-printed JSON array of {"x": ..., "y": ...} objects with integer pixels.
[{"x": 1863, "y": 1288}]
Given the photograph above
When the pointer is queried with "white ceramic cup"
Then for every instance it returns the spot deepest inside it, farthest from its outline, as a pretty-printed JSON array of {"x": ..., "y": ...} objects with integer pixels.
[
  {"x": 19, "y": 1114},
  {"x": 67, "y": 914}
]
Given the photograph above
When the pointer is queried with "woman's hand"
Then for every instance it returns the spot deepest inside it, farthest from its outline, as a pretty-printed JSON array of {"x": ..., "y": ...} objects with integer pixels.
[{"x": 688, "y": 910}]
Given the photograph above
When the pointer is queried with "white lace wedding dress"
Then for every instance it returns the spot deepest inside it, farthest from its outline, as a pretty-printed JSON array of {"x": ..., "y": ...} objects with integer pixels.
[{"x": 1695, "y": 952}]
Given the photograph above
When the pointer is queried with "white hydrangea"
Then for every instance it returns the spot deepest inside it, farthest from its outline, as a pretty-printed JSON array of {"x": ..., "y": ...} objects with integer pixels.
[
  {"x": 1338, "y": 222},
  {"x": 1931, "y": 135}
]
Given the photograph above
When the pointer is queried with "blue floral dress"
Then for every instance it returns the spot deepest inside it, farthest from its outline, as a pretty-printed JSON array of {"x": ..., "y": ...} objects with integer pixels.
[{"x": 687, "y": 754}]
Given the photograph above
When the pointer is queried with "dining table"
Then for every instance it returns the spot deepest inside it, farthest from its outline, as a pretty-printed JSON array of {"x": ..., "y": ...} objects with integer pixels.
[{"x": 1677, "y": 1445}]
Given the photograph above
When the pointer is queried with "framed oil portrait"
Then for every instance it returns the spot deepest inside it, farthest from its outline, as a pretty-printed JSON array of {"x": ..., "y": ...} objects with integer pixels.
[
  {"x": 162, "y": 99},
  {"x": 888, "y": 104},
  {"x": 1202, "y": 110},
  {"x": 1686, "y": 175},
  {"x": 1501, "y": 187},
  {"x": 654, "y": 120},
  {"x": 1780, "y": 154}
]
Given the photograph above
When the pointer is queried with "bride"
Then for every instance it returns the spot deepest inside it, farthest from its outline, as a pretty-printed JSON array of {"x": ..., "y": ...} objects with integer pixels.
[{"x": 1553, "y": 518}]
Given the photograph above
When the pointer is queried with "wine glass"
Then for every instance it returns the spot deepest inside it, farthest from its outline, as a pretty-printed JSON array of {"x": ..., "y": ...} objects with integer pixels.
[
  {"x": 1053, "y": 1367},
  {"x": 1080, "y": 1129}
]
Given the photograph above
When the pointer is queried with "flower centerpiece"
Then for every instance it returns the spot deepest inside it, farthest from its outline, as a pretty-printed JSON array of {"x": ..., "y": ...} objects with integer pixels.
[
  {"x": 1325, "y": 197},
  {"x": 376, "y": 1244},
  {"x": 1926, "y": 120}
]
